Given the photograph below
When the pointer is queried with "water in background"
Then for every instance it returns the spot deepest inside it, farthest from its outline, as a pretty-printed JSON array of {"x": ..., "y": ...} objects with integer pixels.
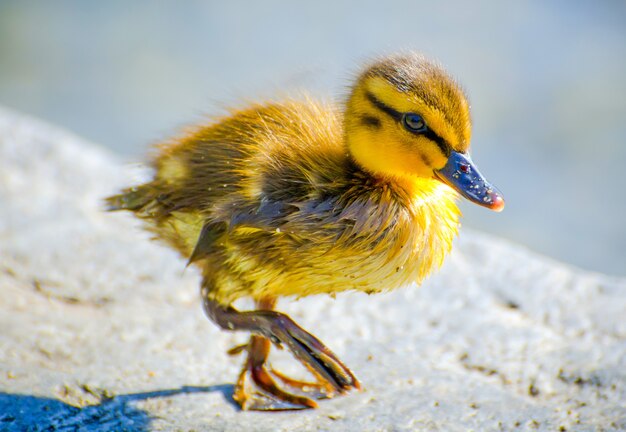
[{"x": 547, "y": 82}]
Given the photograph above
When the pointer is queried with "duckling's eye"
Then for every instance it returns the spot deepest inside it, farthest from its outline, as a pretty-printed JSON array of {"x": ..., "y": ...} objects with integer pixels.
[{"x": 414, "y": 123}]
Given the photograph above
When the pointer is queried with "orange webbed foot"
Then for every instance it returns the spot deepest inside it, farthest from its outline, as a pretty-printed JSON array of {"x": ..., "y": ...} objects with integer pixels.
[{"x": 262, "y": 388}]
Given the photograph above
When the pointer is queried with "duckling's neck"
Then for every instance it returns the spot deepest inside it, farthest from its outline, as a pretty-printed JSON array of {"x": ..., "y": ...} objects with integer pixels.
[
  {"x": 420, "y": 211},
  {"x": 410, "y": 187}
]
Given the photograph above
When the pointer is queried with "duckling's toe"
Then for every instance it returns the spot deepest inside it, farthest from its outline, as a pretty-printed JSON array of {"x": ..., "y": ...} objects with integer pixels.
[
  {"x": 331, "y": 373},
  {"x": 313, "y": 390},
  {"x": 257, "y": 390}
]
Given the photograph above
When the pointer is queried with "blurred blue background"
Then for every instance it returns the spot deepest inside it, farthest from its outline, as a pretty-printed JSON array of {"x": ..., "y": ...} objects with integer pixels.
[{"x": 547, "y": 83}]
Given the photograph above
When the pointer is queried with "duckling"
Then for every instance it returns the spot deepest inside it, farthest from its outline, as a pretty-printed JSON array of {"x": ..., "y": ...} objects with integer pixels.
[{"x": 299, "y": 197}]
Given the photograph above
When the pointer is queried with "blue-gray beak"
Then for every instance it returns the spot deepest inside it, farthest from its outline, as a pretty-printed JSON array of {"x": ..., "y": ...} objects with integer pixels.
[{"x": 461, "y": 174}]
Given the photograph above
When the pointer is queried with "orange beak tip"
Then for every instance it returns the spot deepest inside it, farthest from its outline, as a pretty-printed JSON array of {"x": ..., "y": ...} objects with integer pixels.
[{"x": 498, "y": 204}]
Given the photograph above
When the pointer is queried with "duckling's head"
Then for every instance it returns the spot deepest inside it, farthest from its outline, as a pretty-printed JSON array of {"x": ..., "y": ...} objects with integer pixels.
[{"x": 406, "y": 119}]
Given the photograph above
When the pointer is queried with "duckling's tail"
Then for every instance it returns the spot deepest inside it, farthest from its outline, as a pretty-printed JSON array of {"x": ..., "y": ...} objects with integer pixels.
[{"x": 133, "y": 199}]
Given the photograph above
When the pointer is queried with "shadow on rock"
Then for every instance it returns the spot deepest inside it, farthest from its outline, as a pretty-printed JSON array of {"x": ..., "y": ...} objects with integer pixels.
[{"x": 32, "y": 413}]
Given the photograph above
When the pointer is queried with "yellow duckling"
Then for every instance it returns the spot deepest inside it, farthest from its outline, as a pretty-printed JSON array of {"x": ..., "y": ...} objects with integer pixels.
[{"x": 298, "y": 198}]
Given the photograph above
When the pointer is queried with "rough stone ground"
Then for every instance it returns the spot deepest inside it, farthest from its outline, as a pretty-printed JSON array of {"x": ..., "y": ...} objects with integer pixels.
[{"x": 100, "y": 329}]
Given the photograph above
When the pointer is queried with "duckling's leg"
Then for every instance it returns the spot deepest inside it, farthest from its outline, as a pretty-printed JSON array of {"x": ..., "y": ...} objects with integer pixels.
[{"x": 332, "y": 375}]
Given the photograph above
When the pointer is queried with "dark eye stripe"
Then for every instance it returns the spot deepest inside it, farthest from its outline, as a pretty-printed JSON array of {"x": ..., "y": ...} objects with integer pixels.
[
  {"x": 397, "y": 116},
  {"x": 441, "y": 143},
  {"x": 371, "y": 121}
]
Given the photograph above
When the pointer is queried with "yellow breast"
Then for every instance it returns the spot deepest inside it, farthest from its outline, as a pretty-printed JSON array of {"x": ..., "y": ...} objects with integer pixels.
[{"x": 377, "y": 242}]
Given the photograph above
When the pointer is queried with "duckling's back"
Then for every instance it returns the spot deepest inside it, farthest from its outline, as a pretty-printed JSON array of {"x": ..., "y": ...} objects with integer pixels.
[{"x": 264, "y": 152}]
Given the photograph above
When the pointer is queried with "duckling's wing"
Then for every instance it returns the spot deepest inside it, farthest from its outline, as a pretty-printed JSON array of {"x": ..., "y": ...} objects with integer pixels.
[
  {"x": 205, "y": 245},
  {"x": 264, "y": 216}
]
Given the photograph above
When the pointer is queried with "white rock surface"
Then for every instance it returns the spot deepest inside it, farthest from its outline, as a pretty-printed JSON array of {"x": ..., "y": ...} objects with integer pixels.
[{"x": 100, "y": 329}]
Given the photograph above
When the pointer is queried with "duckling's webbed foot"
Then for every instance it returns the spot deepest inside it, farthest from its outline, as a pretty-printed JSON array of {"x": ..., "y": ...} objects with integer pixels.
[
  {"x": 256, "y": 387},
  {"x": 333, "y": 377}
]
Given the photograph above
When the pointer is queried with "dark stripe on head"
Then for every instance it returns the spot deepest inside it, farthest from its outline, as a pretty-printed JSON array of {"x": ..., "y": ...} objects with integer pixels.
[
  {"x": 414, "y": 74},
  {"x": 371, "y": 121},
  {"x": 397, "y": 116},
  {"x": 441, "y": 143},
  {"x": 424, "y": 159}
]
